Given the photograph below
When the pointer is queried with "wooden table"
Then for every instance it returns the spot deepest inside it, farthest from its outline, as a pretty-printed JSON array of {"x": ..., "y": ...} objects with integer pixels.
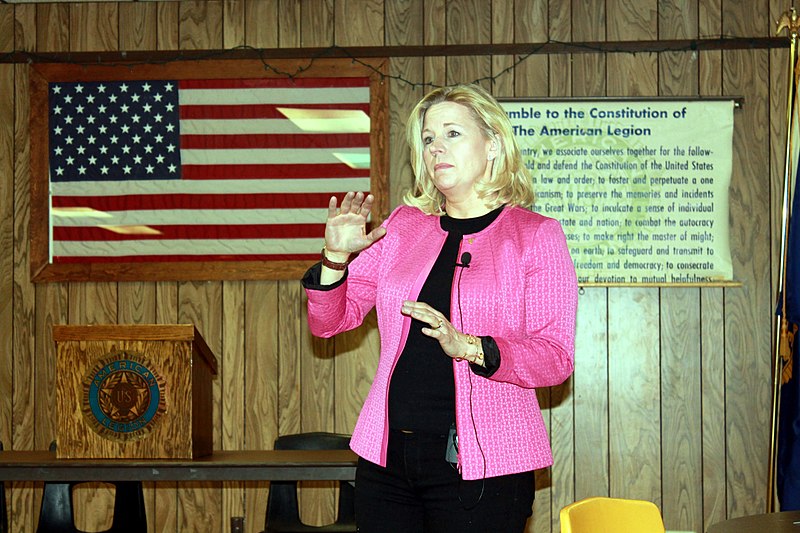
[
  {"x": 266, "y": 465},
  {"x": 787, "y": 522}
]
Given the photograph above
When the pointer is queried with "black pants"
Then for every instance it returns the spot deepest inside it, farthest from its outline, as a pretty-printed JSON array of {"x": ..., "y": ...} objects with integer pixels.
[{"x": 420, "y": 492}]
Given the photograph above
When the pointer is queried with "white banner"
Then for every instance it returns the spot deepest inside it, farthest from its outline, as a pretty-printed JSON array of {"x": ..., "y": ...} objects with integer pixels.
[{"x": 641, "y": 187}]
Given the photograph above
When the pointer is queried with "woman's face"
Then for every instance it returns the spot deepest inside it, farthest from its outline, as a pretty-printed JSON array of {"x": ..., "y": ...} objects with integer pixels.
[{"x": 456, "y": 153}]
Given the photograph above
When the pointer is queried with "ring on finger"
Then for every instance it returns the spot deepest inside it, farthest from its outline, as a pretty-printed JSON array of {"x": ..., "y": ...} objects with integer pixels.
[{"x": 441, "y": 322}]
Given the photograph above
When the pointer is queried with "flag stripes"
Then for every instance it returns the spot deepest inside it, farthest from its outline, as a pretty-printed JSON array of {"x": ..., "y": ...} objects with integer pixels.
[{"x": 186, "y": 170}]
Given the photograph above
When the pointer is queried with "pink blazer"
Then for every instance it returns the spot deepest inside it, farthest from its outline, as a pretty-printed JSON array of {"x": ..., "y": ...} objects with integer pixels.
[{"x": 520, "y": 288}]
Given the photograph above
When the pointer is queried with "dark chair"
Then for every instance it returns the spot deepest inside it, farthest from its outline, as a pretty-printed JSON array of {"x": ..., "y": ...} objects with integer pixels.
[
  {"x": 56, "y": 515},
  {"x": 283, "y": 515}
]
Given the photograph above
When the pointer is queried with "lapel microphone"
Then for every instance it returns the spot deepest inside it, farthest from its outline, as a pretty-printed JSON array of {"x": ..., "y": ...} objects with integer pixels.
[{"x": 466, "y": 257}]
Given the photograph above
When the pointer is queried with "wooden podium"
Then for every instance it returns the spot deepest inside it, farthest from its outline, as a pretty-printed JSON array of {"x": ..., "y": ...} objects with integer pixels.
[{"x": 133, "y": 391}]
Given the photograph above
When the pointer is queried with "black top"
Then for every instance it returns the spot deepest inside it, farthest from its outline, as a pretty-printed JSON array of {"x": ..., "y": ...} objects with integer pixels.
[{"x": 422, "y": 390}]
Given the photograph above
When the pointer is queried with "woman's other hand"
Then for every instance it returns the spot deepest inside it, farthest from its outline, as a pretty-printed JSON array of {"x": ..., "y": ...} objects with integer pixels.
[
  {"x": 346, "y": 227},
  {"x": 455, "y": 344}
]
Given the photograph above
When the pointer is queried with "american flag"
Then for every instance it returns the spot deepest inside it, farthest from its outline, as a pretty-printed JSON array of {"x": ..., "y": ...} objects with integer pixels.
[{"x": 202, "y": 169}]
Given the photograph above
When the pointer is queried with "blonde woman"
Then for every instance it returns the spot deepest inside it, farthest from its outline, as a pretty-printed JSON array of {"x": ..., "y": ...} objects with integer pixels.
[{"x": 476, "y": 299}]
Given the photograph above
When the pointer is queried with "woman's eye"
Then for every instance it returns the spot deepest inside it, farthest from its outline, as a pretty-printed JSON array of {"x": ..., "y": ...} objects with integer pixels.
[
  {"x": 453, "y": 133},
  {"x": 427, "y": 140}
]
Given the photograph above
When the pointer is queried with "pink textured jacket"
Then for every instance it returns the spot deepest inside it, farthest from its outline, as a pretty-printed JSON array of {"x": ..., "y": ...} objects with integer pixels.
[{"x": 520, "y": 288}]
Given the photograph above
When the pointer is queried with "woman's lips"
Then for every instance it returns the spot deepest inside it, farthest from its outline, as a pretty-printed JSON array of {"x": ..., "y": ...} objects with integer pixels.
[{"x": 442, "y": 166}]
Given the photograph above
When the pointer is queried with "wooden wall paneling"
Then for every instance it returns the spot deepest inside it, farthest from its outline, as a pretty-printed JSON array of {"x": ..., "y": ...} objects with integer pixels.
[
  {"x": 92, "y": 302},
  {"x": 6, "y": 28},
  {"x": 317, "y": 24},
  {"x": 714, "y": 504},
  {"x": 681, "y": 409},
  {"x": 677, "y": 19},
  {"x": 168, "y": 26},
  {"x": 262, "y": 23},
  {"x": 681, "y": 441},
  {"x": 404, "y": 27},
  {"x": 435, "y": 32},
  {"x": 288, "y": 23},
  {"x": 634, "y": 394},
  {"x": 165, "y": 517},
  {"x": 233, "y": 23},
  {"x": 780, "y": 72},
  {"x": 94, "y": 27},
  {"x": 591, "y": 395},
  {"x": 317, "y": 413},
  {"x": 232, "y": 383},
  {"x": 24, "y": 27},
  {"x": 138, "y": 22},
  {"x": 6, "y": 229},
  {"x": 293, "y": 339},
  {"x": 588, "y": 70},
  {"x": 560, "y": 29},
  {"x": 51, "y": 306},
  {"x": 591, "y": 379},
  {"x": 359, "y": 22},
  {"x": 136, "y": 302},
  {"x": 52, "y": 27},
  {"x": 503, "y": 71},
  {"x": 200, "y": 24},
  {"x": 531, "y": 24},
  {"x": 748, "y": 357},
  {"x": 634, "y": 403},
  {"x": 307, "y": 362},
  {"x": 630, "y": 20},
  {"x": 748, "y": 310},
  {"x": 712, "y": 304},
  {"x": 263, "y": 337},
  {"x": 357, "y": 354},
  {"x": 356, "y": 361},
  {"x": 747, "y": 19},
  {"x": 23, "y": 501},
  {"x": 467, "y": 23},
  {"x": 201, "y": 304},
  {"x": 562, "y": 397}
]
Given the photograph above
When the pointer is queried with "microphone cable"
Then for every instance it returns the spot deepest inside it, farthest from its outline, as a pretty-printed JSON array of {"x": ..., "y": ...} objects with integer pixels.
[{"x": 466, "y": 258}]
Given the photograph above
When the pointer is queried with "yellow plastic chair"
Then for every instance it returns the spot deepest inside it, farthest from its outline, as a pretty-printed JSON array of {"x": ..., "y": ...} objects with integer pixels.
[{"x": 611, "y": 515}]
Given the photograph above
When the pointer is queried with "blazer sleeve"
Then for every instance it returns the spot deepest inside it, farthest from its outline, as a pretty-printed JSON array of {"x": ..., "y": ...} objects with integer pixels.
[{"x": 544, "y": 355}]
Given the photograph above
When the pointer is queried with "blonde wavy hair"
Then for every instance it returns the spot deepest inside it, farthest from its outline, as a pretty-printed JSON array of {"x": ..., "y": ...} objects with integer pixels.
[{"x": 510, "y": 182}]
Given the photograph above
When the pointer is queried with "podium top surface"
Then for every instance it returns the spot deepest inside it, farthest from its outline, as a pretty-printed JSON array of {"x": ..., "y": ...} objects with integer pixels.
[{"x": 135, "y": 332}]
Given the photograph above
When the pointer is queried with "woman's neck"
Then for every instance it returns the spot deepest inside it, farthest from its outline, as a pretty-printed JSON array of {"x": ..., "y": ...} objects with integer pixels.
[{"x": 470, "y": 208}]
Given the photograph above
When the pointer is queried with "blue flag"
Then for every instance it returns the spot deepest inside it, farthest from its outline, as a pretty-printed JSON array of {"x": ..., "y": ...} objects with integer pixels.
[{"x": 788, "y": 460}]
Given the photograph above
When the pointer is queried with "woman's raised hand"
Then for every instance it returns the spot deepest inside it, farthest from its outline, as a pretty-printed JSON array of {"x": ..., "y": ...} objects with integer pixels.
[{"x": 346, "y": 227}]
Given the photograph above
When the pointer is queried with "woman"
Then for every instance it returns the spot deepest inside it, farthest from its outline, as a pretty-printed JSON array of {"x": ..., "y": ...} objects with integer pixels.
[{"x": 476, "y": 299}]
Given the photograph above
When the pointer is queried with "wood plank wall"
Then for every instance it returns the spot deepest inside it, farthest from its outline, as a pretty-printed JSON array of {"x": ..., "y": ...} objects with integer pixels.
[{"x": 670, "y": 400}]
